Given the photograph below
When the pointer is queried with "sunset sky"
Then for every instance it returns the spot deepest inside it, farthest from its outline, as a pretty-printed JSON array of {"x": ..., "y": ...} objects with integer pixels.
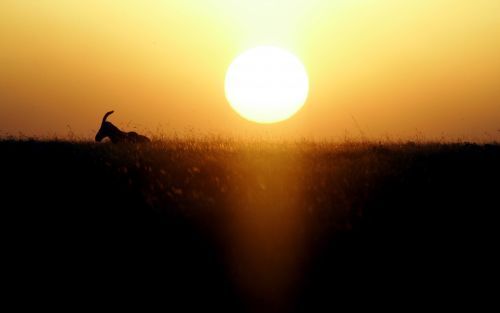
[{"x": 382, "y": 68}]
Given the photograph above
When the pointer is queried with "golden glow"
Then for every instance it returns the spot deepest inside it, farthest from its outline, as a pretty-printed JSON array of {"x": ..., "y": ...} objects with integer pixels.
[
  {"x": 400, "y": 68},
  {"x": 266, "y": 85}
]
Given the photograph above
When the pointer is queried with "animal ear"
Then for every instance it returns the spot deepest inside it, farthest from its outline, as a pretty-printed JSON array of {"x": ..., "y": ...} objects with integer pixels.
[{"x": 106, "y": 116}]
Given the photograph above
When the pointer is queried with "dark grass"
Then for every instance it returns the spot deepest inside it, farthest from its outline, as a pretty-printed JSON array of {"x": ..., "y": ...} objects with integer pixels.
[{"x": 374, "y": 223}]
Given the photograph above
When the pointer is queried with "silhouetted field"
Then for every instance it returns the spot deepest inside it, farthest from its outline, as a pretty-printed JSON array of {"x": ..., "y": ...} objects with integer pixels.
[{"x": 249, "y": 226}]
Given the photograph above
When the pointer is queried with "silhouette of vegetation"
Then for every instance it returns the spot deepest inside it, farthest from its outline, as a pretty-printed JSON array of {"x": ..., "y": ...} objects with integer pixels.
[{"x": 377, "y": 221}]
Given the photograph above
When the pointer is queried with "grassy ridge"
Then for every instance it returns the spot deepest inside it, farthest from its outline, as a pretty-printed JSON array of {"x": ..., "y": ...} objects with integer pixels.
[{"x": 238, "y": 225}]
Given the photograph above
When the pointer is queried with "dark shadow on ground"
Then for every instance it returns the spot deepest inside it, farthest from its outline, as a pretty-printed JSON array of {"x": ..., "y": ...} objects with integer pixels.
[{"x": 386, "y": 223}]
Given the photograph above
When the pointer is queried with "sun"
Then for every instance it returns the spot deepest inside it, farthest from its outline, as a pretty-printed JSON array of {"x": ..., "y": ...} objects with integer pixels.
[{"x": 266, "y": 85}]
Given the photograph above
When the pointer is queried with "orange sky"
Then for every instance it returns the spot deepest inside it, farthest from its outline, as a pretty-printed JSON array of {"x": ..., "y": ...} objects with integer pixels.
[{"x": 387, "y": 68}]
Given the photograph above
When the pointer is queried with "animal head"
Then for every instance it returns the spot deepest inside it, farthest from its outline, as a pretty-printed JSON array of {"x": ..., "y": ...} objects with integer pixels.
[{"x": 107, "y": 129}]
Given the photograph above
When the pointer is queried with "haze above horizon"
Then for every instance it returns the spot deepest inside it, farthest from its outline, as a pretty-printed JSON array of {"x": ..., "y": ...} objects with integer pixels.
[{"x": 385, "y": 68}]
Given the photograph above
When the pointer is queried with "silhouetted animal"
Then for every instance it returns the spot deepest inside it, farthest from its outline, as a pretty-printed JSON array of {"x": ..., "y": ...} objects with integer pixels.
[{"x": 115, "y": 134}]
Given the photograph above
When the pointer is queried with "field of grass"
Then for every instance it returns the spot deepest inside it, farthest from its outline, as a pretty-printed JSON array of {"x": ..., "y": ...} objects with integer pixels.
[{"x": 249, "y": 226}]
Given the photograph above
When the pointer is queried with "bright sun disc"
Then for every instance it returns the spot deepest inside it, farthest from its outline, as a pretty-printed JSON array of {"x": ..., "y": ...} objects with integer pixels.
[{"x": 266, "y": 85}]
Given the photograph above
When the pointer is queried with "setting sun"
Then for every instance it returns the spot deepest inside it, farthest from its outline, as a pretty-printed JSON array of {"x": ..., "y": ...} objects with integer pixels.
[
  {"x": 252, "y": 156},
  {"x": 267, "y": 85}
]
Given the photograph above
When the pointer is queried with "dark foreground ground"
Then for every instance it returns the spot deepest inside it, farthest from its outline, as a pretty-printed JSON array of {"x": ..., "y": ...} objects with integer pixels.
[{"x": 249, "y": 227}]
